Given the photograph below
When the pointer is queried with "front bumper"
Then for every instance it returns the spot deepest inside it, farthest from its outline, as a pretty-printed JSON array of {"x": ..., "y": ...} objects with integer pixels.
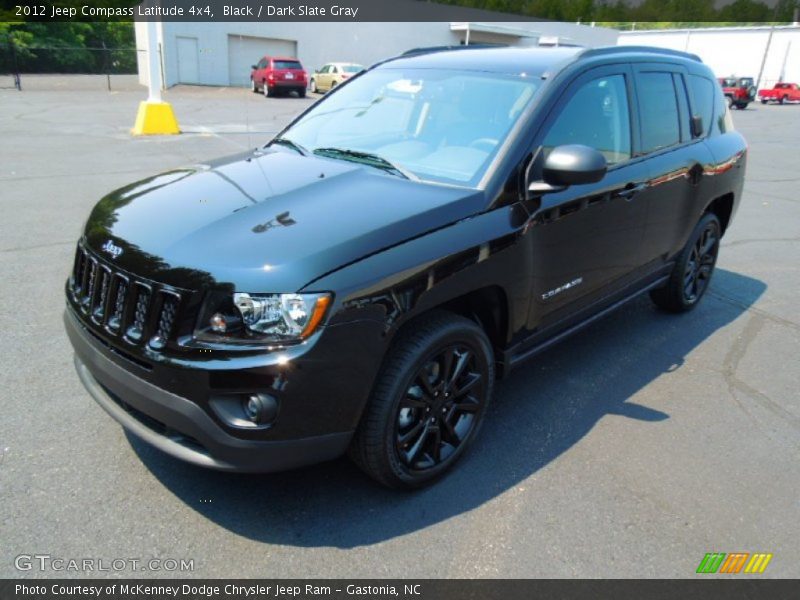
[{"x": 181, "y": 427}]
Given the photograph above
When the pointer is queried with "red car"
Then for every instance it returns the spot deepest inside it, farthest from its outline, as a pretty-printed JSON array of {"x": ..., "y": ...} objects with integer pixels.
[
  {"x": 275, "y": 74},
  {"x": 782, "y": 92},
  {"x": 740, "y": 91}
]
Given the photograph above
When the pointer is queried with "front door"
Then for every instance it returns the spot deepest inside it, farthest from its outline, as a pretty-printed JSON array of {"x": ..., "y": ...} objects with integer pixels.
[{"x": 586, "y": 239}]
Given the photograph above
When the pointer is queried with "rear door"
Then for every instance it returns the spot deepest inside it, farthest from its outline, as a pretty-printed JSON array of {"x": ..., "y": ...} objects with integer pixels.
[
  {"x": 674, "y": 157},
  {"x": 586, "y": 240}
]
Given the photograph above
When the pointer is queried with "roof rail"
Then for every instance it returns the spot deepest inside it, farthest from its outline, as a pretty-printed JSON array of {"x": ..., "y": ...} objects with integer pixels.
[
  {"x": 647, "y": 49},
  {"x": 432, "y": 49}
]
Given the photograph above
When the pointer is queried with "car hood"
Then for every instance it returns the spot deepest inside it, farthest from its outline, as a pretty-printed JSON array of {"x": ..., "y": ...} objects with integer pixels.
[{"x": 270, "y": 220}]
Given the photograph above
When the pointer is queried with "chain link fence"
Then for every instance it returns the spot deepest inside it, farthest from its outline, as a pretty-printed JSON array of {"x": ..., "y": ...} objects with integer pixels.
[{"x": 107, "y": 65}]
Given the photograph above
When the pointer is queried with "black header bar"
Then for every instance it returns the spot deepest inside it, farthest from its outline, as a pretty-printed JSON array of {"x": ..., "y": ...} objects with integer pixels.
[{"x": 431, "y": 589}]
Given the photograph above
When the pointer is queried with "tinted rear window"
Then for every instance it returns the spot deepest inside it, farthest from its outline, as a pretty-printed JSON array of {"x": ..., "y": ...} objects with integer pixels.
[
  {"x": 702, "y": 99},
  {"x": 286, "y": 64},
  {"x": 658, "y": 111}
]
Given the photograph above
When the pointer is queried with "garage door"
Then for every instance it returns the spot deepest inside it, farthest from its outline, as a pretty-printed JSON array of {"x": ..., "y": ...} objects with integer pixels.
[{"x": 244, "y": 51}]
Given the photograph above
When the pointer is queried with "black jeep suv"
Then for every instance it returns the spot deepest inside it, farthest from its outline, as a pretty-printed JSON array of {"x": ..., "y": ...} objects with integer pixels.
[{"x": 358, "y": 283}]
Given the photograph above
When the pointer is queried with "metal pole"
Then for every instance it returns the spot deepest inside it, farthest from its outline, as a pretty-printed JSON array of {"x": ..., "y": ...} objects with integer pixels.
[
  {"x": 764, "y": 58},
  {"x": 785, "y": 58},
  {"x": 162, "y": 67},
  {"x": 153, "y": 63},
  {"x": 107, "y": 65},
  {"x": 17, "y": 82},
  {"x": 466, "y": 37}
]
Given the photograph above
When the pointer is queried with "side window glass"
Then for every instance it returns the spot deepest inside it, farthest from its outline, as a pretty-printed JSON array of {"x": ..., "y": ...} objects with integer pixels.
[
  {"x": 702, "y": 99},
  {"x": 658, "y": 111},
  {"x": 597, "y": 115},
  {"x": 262, "y": 63}
]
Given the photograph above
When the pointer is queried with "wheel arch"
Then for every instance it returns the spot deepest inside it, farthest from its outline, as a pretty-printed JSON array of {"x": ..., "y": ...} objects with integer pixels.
[
  {"x": 722, "y": 207},
  {"x": 488, "y": 307}
]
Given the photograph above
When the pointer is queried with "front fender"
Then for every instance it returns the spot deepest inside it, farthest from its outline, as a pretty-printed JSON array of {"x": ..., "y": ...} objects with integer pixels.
[{"x": 396, "y": 285}]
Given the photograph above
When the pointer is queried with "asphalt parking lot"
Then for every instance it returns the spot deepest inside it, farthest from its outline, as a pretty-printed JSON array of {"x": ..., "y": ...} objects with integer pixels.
[{"x": 630, "y": 450}]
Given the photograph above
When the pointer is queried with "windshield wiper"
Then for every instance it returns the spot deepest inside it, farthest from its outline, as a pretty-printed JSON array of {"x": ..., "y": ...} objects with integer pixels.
[
  {"x": 366, "y": 158},
  {"x": 290, "y": 144}
]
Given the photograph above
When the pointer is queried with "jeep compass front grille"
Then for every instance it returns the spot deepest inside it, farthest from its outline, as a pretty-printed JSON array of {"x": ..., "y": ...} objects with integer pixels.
[{"x": 120, "y": 304}]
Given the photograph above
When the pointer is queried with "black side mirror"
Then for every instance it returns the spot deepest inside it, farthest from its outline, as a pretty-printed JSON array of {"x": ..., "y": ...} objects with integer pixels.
[
  {"x": 697, "y": 126},
  {"x": 571, "y": 164},
  {"x": 254, "y": 67}
]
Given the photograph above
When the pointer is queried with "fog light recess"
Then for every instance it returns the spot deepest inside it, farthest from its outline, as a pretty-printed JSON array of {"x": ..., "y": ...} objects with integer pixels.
[
  {"x": 260, "y": 408},
  {"x": 247, "y": 411}
]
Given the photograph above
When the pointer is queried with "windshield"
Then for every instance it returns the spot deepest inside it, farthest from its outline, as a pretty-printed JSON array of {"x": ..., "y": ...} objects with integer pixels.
[{"x": 439, "y": 125}]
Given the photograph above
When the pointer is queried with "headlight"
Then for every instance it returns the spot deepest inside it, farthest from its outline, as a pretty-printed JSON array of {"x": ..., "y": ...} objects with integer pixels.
[{"x": 245, "y": 317}]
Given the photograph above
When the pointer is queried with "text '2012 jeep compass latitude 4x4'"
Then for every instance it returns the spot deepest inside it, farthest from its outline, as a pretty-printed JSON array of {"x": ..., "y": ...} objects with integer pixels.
[{"x": 359, "y": 282}]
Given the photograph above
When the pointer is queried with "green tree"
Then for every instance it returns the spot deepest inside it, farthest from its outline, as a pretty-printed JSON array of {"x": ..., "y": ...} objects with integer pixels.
[
  {"x": 70, "y": 47},
  {"x": 745, "y": 11}
]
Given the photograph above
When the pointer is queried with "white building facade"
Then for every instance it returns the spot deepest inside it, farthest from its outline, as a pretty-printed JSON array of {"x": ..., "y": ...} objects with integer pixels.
[
  {"x": 220, "y": 54},
  {"x": 772, "y": 52}
]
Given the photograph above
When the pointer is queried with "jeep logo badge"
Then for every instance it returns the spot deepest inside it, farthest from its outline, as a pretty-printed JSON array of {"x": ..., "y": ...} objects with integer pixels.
[{"x": 111, "y": 249}]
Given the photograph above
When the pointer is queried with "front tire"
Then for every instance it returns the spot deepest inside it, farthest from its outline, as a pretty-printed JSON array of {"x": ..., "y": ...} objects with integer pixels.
[
  {"x": 428, "y": 402},
  {"x": 693, "y": 269},
  {"x": 314, "y": 86},
  {"x": 253, "y": 86}
]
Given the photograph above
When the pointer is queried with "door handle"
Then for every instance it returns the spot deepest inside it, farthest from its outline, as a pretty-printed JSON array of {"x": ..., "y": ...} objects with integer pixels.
[{"x": 630, "y": 190}]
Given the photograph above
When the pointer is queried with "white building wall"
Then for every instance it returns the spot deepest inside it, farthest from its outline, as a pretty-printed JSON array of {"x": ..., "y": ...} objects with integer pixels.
[
  {"x": 320, "y": 43},
  {"x": 732, "y": 50}
]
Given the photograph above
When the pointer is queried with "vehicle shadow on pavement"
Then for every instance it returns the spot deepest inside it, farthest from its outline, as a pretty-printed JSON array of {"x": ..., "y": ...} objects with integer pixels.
[{"x": 539, "y": 412}]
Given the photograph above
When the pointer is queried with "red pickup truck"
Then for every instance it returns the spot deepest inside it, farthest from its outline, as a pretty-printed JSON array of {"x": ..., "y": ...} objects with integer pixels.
[{"x": 782, "y": 92}]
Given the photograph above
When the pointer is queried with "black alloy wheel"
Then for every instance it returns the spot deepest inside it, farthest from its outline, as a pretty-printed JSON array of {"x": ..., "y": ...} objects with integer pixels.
[
  {"x": 693, "y": 268},
  {"x": 702, "y": 258},
  {"x": 438, "y": 411},
  {"x": 428, "y": 401}
]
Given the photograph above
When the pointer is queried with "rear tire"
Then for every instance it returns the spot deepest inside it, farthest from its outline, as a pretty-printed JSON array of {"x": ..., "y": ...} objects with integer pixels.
[
  {"x": 301, "y": 92},
  {"x": 693, "y": 268},
  {"x": 428, "y": 402},
  {"x": 764, "y": 101},
  {"x": 782, "y": 100}
]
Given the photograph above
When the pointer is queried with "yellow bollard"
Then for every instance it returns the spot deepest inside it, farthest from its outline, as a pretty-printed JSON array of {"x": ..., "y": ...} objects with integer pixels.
[{"x": 155, "y": 118}]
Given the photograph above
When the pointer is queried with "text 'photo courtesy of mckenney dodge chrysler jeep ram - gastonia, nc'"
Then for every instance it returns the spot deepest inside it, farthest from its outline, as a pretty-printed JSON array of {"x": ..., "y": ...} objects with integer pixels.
[{"x": 359, "y": 283}]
